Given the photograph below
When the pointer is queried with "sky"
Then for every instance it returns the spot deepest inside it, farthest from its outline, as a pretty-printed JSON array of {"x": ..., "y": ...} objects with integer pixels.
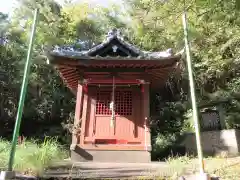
[{"x": 8, "y": 5}]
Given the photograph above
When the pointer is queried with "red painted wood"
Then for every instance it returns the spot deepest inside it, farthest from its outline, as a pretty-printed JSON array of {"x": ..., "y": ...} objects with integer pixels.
[
  {"x": 114, "y": 62},
  {"x": 84, "y": 117},
  {"x": 89, "y": 133},
  {"x": 142, "y": 88},
  {"x": 67, "y": 70},
  {"x": 112, "y": 147},
  {"x": 73, "y": 80},
  {"x": 129, "y": 140},
  {"x": 111, "y": 141},
  {"x": 103, "y": 101},
  {"x": 138, "y": 124},
  {"x": 120, "y": 76},
  {"x": 102, "y": 127},
  {"x": 145, "y": 116},
  {"x": 109, "y": 81},
  {"x": 155, "y": 74},
  {"x": 85, "y": 88},
  {"x": 78, "y": 111},
  {"x": 70, "y": 75},
  {"x": 128, "y": 127}
]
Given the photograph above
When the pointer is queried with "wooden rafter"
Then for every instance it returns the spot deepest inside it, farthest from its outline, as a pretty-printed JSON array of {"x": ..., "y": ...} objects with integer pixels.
[{"x": 92, "y": 70}]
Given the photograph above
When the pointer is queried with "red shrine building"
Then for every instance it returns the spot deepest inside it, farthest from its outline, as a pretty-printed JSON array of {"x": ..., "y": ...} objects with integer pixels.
[{"x": 112, "y": 82}]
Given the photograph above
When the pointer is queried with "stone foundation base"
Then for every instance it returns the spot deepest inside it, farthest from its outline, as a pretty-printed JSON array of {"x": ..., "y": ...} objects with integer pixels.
[
  {"x": 224, "y": 143},
  {"x": 81, "y": 155}
]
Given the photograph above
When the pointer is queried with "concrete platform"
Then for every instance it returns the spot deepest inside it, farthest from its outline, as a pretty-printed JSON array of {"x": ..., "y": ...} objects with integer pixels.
[{"x": 126, "y": 156}]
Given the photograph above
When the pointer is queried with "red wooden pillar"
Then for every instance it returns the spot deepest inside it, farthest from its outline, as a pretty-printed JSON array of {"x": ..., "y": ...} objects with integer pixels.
[
  {"x": 146, "y": 117},
  {"x": 78, "y": 113},
  {"x": 84, "y": 115}
]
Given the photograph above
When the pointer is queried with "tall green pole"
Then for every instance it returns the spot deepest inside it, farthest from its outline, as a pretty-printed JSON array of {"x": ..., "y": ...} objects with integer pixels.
[
  {"x": 193, "y": 95},
  {"x": 22, "y": 95}
]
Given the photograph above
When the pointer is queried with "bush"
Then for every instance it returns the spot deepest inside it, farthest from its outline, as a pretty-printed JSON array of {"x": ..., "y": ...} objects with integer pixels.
[
  {"x": 161, "y": 145},
  {"x": 31, "y": 157},
  {"x": 188, "y": 125}
]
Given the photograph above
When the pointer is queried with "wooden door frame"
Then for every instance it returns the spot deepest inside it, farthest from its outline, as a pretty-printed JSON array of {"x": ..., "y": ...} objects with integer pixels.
[{"x": 92, "y": 94}]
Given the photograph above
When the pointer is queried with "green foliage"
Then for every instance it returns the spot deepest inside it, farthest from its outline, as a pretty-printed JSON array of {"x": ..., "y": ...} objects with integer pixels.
[
  {"x": 188, "y": 125},
  {"x": 165, "y": 145},
  {"x": 160, "y": 144},
  {"x": 32, "y": 157},
  {"x": 48, "y": 101},
  {"x": 214, "y": 38},
  {"x": 49, "y": 24},
  {"x": 214, "y": 29},
  {"x": 170, "y": 118}
]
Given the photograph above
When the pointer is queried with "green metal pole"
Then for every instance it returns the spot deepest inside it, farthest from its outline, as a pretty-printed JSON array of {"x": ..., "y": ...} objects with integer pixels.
[
  {"x": 193, "y": 95},
  {"x": 22, "y": 95}
]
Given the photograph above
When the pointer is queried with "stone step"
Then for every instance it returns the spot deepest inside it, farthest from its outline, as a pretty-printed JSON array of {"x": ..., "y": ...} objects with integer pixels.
[
  {"x": 106, "y": 170},
  {"x": 86, "y": 165}
]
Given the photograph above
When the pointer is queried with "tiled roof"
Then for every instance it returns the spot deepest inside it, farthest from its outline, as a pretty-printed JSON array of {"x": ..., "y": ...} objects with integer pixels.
[
  {"x": 114, "y": 35},
  {"x": 80, "y": 55}
]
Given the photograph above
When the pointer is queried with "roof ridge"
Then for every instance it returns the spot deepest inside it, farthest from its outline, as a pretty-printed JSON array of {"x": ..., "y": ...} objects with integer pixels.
[{"x": 116, "y": 34}]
